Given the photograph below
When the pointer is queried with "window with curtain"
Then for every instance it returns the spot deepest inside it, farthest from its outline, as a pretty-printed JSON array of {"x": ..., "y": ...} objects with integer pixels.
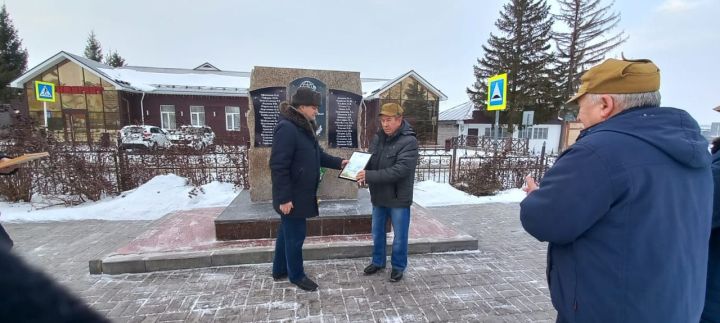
[
  {"x": 167, "y": 117},
  {"x": 232, "y": 118},
  {"x": 197, "y": 115}
]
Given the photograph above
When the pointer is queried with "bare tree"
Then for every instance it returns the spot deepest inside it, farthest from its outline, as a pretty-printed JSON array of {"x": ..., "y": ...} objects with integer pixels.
[{"x": 587, "y": 40}]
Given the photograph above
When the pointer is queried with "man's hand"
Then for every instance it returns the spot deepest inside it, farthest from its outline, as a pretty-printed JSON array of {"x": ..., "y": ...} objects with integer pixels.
[
  {"x": 344, "y": 162},
  {"x": 8, "y": 170},
  {"x": 530, "y": 184},
  {"x": 360, "y": 177},
  {"x": 286, "y": 208}
]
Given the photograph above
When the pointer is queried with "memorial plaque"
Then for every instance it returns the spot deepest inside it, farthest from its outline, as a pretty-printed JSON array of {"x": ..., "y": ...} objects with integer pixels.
[
  {"x": 266, "y": 104},
  {"x": 343, "y": 110}
]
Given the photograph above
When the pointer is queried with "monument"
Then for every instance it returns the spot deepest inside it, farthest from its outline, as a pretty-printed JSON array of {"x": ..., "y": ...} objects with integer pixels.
[{"x": 342, "y": 209}]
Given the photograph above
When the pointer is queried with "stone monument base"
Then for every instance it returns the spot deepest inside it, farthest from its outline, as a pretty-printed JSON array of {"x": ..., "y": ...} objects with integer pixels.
[{"x": 243, "y": 219}]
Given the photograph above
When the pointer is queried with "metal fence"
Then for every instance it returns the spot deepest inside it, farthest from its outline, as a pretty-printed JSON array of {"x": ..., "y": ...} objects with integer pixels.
[
  {"x": 507, "y": 159},
  {"x": 93, "y": 172},
  {"x": 76, "y": 173}
]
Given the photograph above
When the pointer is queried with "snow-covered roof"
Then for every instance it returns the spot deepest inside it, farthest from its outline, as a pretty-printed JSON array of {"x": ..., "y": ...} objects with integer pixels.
[
  {"x": 182, "y": 81},
  {"x": 371, "y": 84},
  {"x": 462, "y": 111},
  {"x": 152, "y": 79},
  {"x": 375, "y": 94}
]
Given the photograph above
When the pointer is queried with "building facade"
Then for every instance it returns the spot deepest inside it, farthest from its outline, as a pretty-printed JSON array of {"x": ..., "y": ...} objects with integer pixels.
[{"x": 95, "y": 100}]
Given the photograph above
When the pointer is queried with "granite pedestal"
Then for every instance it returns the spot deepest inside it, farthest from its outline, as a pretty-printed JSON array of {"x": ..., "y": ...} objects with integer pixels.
[{"x": 243, "y": 219}]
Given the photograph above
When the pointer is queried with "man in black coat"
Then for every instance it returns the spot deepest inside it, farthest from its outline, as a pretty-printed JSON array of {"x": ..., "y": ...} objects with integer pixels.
[
  {"x": 295, "y": 163},
  {"x": 391, "y": 176}
]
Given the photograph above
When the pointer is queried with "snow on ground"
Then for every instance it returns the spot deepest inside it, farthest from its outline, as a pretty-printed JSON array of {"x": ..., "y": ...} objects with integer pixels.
[
  {"x": 429, "y": 193},
  {"x": 152, "y": 200},
  {"x": 168, "y": 193}
]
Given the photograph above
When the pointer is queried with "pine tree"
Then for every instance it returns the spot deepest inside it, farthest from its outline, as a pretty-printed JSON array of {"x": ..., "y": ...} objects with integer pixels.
[
  {"x": 522, "y": 49},
  {"x": 419, "y": 113},
  {"x": 93, "y": 50},
  {"x": 114, "y": 59},
  {"x": 13, "y": 58},
  {"x": 587, "y": 40}
]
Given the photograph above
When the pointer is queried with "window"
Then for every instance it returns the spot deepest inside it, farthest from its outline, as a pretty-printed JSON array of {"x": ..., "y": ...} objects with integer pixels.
[
  {"x": 489, "y": 132},
  {"x": 197, "y": 116},
  {"x": 232, "y": 118},
  {"x": 167, "y": 116},
  {"x": 525, "y": 133},
  {"x": 540, "y": 133}
]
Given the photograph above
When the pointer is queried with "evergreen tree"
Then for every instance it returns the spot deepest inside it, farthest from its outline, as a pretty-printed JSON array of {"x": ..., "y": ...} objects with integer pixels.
[
  {"x": 93, "y": 50},
  {"x": 114, "y": 60},
  {"x": 419, "y": 112},
  {"x": 13, "y": 58},
  {"x": 522, "y": 49},
  {"x": 587, "y": 40}
]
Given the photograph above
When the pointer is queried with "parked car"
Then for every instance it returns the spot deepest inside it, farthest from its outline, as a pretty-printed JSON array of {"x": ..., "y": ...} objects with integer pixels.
[
  {"x": 198, "y": 137},
  {"x": 144, "y": 137}
]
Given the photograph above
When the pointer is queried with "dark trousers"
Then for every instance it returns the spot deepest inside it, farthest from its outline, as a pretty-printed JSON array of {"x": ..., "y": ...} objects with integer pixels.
[
  {"x": 288, "y": 248},
  {"x": 5, "y": 242}
]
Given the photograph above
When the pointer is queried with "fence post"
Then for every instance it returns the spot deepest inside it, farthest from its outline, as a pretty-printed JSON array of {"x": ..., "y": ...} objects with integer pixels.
[
  {"x": 542, "y": 161},
  {"x": 453, "y": 163},
  {"x": 116, "y": 159}
]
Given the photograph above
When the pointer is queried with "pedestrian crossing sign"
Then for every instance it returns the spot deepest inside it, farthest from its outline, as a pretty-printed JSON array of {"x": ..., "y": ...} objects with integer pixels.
[
  {"x": 44, "y": 91},
  {"x": 497, "y": 92}
]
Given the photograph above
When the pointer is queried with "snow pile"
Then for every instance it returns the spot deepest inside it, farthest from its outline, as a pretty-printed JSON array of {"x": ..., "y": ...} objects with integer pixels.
[
  {"x": 152, "y": 200},
  {"x": 429, "y": 193}
]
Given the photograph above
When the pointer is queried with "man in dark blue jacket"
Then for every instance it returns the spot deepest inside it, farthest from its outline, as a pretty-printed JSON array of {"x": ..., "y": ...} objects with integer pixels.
[
  {"x": 711, "y": 313},
  {"x": 295, "y": 163},
  {"x": 626, "y": 209}
]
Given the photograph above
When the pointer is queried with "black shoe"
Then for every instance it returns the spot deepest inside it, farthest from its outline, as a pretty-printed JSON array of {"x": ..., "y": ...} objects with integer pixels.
[
  {"x": 395, "y": 275},
  {"x": 279, "y": 276},
  {"x": 371, "y": 269},
  {"x": 306, "y": 284}
]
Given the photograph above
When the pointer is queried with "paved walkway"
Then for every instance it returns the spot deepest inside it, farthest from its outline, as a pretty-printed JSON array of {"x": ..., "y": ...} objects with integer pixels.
[{"x": 502, "y": 282}]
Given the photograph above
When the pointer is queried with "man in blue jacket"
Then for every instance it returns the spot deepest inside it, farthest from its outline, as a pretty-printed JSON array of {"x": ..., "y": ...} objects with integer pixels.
[
  {"x": 626, "y": 209},
  {"x": 295, "y": 163},
  {"x": 711, "y": 313}
]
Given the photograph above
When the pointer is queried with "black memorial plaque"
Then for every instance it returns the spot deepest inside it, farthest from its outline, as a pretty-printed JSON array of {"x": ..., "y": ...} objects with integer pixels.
[
  {"x": 266, "y": 103},
  {"x": 343, "y": 110}
]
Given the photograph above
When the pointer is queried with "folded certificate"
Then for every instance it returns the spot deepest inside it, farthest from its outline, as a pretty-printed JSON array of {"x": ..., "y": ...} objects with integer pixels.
[{"x": 357, "y": 162}]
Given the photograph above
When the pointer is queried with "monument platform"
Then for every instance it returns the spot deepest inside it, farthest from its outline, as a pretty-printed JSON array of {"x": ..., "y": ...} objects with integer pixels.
[
  {"x": 243, "y": 219},
  {"x": 186, "y": 239}
]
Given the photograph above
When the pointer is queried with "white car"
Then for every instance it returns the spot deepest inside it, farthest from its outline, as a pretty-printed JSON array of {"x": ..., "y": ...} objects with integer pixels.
[
  {"x": 146, "y": 137},
  {"x": 198, "y": 137}
]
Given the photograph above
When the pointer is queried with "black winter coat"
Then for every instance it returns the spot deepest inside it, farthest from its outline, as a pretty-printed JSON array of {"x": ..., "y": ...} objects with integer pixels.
[
  {"x": 295, "y": 163},
  {"x": 391, "y": 170}
]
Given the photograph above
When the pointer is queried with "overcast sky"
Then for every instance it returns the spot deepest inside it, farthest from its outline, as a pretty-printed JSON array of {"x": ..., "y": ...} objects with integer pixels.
[{"x": 440, "y": 40}]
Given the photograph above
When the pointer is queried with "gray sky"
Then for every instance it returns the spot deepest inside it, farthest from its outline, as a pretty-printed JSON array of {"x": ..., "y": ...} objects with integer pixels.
[{"x": 441, "y": 40}]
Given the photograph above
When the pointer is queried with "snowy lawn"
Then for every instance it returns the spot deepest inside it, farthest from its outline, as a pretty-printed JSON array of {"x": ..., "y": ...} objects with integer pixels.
[
  {"x": 429, "y": 193},
  {"x": 152, "y": 200},
  {"x": 168, "y": 193}
]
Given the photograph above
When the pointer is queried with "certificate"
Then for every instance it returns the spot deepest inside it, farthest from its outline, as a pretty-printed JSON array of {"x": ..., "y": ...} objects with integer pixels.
[{"x": 357, "y": 162}]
